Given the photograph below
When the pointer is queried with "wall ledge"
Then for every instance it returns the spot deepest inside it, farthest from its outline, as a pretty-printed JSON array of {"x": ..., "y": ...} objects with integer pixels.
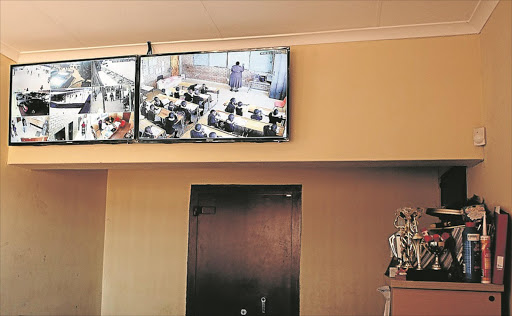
[{"x": 251, "y": 164}]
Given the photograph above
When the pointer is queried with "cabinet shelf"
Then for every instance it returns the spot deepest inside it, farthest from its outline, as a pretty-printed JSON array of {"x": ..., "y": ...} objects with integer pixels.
[
  {"x": 449, "y": 286},
  {"x": 444, "y": 298}
]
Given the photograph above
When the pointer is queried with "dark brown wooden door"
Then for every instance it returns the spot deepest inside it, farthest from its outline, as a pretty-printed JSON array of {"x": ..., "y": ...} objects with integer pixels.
[{"x": 244, "y": 246}]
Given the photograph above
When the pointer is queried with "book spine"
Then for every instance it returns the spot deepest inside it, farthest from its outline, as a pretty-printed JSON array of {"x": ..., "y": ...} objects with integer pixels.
[{"x": 500, "y": 248}]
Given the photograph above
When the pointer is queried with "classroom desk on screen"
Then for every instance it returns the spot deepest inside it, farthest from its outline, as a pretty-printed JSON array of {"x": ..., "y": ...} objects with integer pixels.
[
  {"x": 249, "y": 123},
  {"x": 208, "y": 129},
  {"x": 157, "y": 131},
  {"x": 192, "y": 107},
  {"x": 203, "y": 96},
  {"x": 214, "y": 91},
  {"x": 185, "y": 85},
  {"x": 164, "y": 113},
  {"x": 265, "y": 111},
  {"x": 206, "y": 98},
  {"x": 146, "y": 89}
]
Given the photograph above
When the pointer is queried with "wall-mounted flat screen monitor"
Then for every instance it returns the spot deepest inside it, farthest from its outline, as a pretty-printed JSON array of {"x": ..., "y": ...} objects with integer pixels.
[
  {"x": 215, "y": 96},
  {"x": 77, "y": 101}
]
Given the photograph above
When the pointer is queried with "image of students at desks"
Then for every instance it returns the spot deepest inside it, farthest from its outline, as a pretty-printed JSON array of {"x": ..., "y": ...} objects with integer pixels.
[
  {"x": 201, "y": 131},
  {"x": 233, "y": 124},
  {"x": 234, "y": 107},
  {"x": 274, "y": 115},
  {"x": 195, "y": 96},
  {"x": 148, "y": 130}
]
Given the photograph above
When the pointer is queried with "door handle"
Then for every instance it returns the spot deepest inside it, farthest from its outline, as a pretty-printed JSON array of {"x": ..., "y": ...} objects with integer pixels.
[{"x": 263, "y": 301}]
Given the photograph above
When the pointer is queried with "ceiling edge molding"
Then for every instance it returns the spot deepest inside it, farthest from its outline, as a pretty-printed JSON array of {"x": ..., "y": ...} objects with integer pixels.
[
  {"x": 482, "y": 13},
  {"x": 9, "y": 51},
  {"x": 337, "y": 36}
]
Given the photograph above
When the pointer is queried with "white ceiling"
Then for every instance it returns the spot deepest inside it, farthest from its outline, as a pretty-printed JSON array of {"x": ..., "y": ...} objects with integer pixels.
[{"x": 33, "y": 26}]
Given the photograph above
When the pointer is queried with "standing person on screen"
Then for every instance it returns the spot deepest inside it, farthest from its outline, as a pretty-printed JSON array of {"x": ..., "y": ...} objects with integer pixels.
[
  {"x": 24, "y": 124},
  {"x": 14, "y": 129},
  {"x": 45, "y": 128},
  {"x": 235, "y": 79}
]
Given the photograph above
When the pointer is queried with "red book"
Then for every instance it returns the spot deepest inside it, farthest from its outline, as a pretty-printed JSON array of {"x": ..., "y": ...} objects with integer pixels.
[{"x": 500, "y": 248}]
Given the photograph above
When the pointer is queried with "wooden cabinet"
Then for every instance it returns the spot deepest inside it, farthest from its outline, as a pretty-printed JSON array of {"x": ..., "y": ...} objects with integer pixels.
[{"x": 444, "y": 298}]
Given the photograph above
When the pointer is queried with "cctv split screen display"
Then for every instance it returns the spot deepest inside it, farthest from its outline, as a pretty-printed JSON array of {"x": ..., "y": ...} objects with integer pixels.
[{"x": 195, "y": 96}]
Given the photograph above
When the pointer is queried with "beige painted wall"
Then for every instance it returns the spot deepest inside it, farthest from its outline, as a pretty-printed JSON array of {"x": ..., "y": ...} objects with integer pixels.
[
  {"x": 397, "y": 100},
  {"x": 347, "y": 215},
  {"x": 493, "y": 178},
  {"x": 51, "y": 234},
  {"x": 360, "y": 101}
]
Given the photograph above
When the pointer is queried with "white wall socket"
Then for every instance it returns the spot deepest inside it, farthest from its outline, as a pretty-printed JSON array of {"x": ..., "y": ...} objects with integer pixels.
[{"x": 479, "y": 136}]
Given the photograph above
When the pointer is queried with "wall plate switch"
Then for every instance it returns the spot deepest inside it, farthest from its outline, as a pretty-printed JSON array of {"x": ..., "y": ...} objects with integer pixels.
[{"x": 479, "y": 136}]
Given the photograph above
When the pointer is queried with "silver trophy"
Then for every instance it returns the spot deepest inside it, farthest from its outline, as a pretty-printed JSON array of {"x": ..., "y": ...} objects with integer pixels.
[
  {"x": 403, "y": 243},
  {"x": 417, "y": 242},
  {"x": 436, "y": 248}
]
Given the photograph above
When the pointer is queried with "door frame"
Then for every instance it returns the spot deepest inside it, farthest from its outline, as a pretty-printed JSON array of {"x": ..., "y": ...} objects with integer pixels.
[{"x": 296, "y": 225}]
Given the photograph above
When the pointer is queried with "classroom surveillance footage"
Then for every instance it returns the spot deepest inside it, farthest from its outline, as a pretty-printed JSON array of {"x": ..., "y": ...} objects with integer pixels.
[
  {"x": 184, "y": 97},
  {"x": 231, "y": 95}
]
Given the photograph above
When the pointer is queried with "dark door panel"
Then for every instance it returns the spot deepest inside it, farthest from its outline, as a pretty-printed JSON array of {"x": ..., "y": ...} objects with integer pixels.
[{"x": 243, "y": 248}]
